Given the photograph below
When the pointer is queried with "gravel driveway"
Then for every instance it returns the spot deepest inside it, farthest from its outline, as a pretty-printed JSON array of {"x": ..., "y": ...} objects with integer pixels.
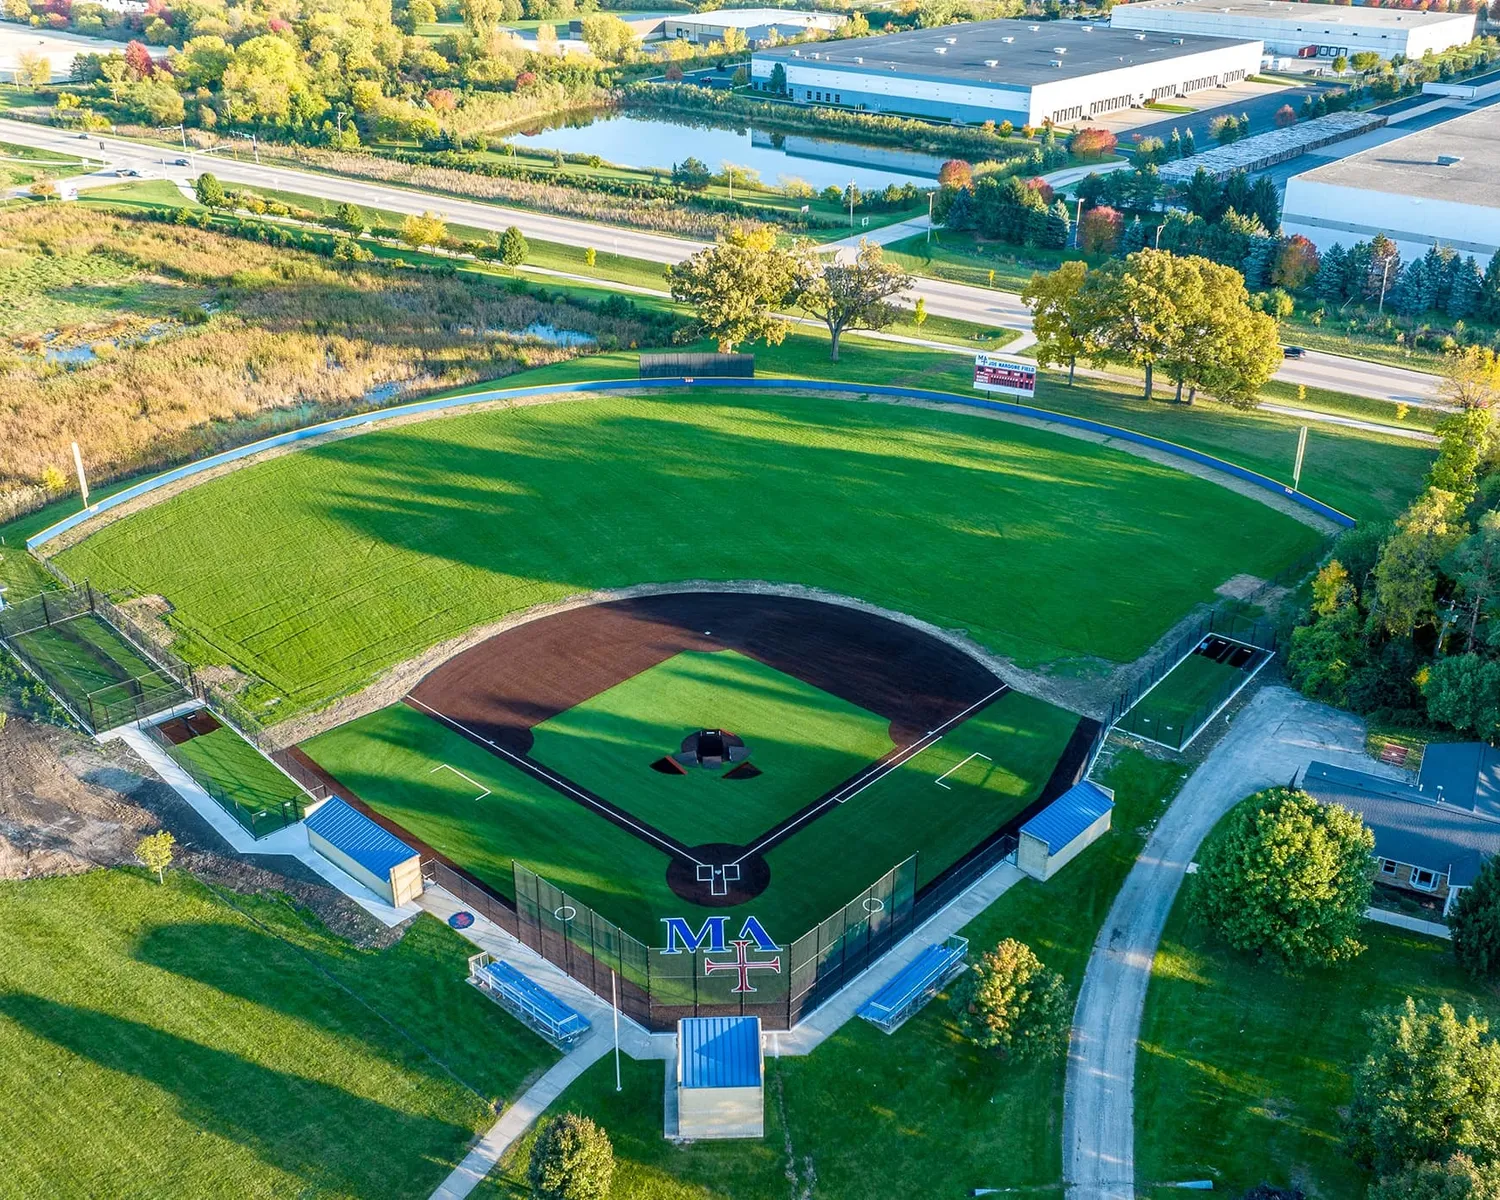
[{"x": 1275, "y": 736}]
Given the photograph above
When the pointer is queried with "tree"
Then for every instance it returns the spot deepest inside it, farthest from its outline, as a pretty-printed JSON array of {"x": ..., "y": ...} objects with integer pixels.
[
  {"x": 481, "y": 17},
  {"x": 33, "y": 70},
  {"x": 856, "y": 295},
  {"x": 1459, "y": 1178},
  {"x": 42, "y": 189},
  {"x": 1099, "y": 230},
  {"x": 1009, "y": 1002},
  {"x": 1463, "y": 692},
  {"x": 590, "y": 257},
  {"x": 155, "y": 852},
  {"x": 138, "y": 61},
  {"x": 1287, "y": 878},
  {"x": 427, "y": 230},
  {"x": 1285, "y": 115},
  {"x": 1406, "y": 573},
  {"x": 513, "y": 248},
  {"x": 1061, "y": 317},
  {"x": 1466, "y": 439},
  {"x": 1471, "y": 378},
  {"x": 1093, "y": 143},
  {"x": 608, "y": 36},
  {"x": 351, "y": 217},
  {"x": 1475, "y": 570},
  {"x": 1429, "y": 1088},
  {"x": 919, "y": 312},
  {"x": 778, "y": 79},
  {"x": 1488, "y": 306},
  {"x": 1340, "y": 64},
  {"x": 210, "y": 191},
  {"x": 1332, "y": 588},
  {"x": 692, "y": 173},
  {"x": 1296, "y": 263},
  {"x": 955, "y": 173},
  {"x": 1475, "y": 923},
  {"x": 572, "y": 1160},
  {"x": 736, "y": 285},
  {"x": 1365, "y": 60}
]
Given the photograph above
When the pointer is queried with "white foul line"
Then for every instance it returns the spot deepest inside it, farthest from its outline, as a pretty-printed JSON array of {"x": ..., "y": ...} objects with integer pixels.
[
  {"x": 483, "y": 791},
  {"x": 558, "y": 781},
  {"x": 950, "y": 770},
  {"x": 930, "y": 738}
]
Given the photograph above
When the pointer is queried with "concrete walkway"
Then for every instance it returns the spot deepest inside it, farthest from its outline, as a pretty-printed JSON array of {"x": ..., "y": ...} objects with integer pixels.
[
  {"x": 291, "y": 841},
  {"x": 1383, "y": 916},
  {"x": 1275, "y": 737}
]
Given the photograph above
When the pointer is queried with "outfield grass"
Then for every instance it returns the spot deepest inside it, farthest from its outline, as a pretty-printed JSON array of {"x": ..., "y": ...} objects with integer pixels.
[
  {"x": 919, "y": 1113},
  {"x": 155, "y": 1041},
  {"x": 1242, "y": 1071},
  {"x": 1171, "y": 711},
  {"x": 227, "y": 765},
  {"x": 418, "y": 533},
  {"x": 92, "y": 668},
  {"x": 804, "y": 741},
  {"x": 391, "y": 760}
]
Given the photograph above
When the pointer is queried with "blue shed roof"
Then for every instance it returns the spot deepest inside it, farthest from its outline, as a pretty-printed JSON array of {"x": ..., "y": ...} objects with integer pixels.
[
  {"x": 1069, "y": 815},
  {"x": 347, "y": 829},
  {"x": 719, "y": 1052}
]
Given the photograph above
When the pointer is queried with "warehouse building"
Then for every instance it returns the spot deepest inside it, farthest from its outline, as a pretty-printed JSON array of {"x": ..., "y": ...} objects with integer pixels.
[
  {"x": 1061, "y": 71},
  {"x": 756, "y": 24},
  {"x": 1435, "y": 187},
  {"x": 1298, "y": 30}
]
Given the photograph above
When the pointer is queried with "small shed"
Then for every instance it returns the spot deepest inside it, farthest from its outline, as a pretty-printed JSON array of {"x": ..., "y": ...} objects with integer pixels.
[
  {"x": 359, "y": 847},
  {"x": 1064, "y": 829},
  {"x": 720, "y": 1078}
]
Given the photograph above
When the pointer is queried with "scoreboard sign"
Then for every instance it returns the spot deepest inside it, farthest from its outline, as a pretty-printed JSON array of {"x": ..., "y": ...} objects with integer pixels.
[{"x": 995, "y": 374}]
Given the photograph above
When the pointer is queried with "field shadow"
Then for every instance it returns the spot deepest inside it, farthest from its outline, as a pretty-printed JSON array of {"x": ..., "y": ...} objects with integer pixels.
[{"x": 326, "y": 1137}]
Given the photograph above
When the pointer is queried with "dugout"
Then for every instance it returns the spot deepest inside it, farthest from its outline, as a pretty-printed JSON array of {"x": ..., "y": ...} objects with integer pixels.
[
  {"x": 359, "y": 847},
  {"x": 720, "y": 1078},
  {"x": 1064, "y": 829}
]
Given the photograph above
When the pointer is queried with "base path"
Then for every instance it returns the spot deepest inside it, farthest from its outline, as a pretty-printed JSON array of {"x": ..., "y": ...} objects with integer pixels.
[{"x": 1273, "y": 739}]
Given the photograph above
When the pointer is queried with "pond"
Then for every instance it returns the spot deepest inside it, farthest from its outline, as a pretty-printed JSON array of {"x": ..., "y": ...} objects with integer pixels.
[{"x": 658, "y": 142}]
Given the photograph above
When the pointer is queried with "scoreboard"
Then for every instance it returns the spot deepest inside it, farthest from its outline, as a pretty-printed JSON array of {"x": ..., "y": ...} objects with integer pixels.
[{"x": 995, "y": 374}]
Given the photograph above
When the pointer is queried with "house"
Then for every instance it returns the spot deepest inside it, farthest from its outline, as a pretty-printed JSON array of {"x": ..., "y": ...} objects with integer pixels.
[{"x": 1431, "y": 837}]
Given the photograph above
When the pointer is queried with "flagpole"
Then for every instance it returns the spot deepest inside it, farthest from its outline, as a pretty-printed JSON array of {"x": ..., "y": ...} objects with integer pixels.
[{"x": 614, "y": 1003}]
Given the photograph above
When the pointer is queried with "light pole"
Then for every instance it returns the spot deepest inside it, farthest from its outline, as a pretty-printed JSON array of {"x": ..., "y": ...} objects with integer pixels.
[
  {"x": 1077, "y": 216},
  {"x": 1159, "y": 228},
  {"x": 851, "y": 204},
  {"x": 1385, "y": 274},
  {"x": 254, "y": 145},
  {"x": 930, "y": 198}
]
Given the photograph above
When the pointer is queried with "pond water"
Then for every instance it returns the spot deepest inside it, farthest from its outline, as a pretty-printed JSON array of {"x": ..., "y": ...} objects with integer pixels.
[{"x": 656, "y": 142}]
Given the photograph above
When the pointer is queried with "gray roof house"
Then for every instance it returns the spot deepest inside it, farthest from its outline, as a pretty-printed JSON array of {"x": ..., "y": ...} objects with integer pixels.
[{"x": 1430, "y": 837}]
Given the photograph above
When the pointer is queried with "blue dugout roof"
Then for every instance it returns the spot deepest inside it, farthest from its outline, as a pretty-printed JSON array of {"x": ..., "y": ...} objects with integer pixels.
[
  {"x": 719, "y": 1052},
  {"x": 344, "y": 828},
  {"x": 1069, "y": 815}
]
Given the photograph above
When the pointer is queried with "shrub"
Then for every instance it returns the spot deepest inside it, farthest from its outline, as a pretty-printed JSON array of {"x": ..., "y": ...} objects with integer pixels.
[
  {"x": 1011, "y": 1003},
  {"x": 572, "y": 1160}
]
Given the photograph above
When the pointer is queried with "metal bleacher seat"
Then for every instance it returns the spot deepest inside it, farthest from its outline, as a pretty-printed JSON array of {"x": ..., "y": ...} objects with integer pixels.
[
  {"x": 554, "y": 1020},
  {"x": 916, "y": 983}
]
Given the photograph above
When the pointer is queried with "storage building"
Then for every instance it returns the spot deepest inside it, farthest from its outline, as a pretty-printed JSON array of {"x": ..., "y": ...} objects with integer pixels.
[
  {"x": 1064, "y": 829},
  {"x": 720, "y": 1078},
  {"x": 1065, "y": 72},
  {"x": 755, "y": 23},
  {"x": 1435, "y": 187},
  {"x": 359, "y": 847},
  {"x": 1296, "y": 30}
]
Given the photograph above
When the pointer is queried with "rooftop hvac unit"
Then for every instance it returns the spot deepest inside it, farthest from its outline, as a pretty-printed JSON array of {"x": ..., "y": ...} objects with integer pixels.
[
  {"x": 992, "y": 63},
  {"x": 941, "y": 49},
  {"x": 1007, "y": 40},
  {"x": 1449, "y": 160},
  {"x": 1056, "y": 62}
]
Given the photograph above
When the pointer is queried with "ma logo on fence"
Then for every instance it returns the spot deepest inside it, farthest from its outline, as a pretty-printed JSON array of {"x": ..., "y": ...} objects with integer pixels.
[{"x": 710, "y": 937}]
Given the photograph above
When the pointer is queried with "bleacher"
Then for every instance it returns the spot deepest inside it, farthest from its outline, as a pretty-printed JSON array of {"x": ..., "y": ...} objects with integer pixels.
[
  {"x": 556, "y": 1021},
  {"x": 918, "y": 982}
]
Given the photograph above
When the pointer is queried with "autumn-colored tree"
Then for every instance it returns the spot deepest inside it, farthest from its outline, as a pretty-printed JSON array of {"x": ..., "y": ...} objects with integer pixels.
[
  {"x": 1285, "y": 115},
  {"x": 1099, "y": 230},
  {"x": 955, "y": 173},
  {"x": 1042, "y": 188},
  {"x": 138, "y": 61},
  {"x": 1093, "y": 143},
  {"x": 1296, "y": 263},
  {"x": 427, "y": 230},
  {"x": 443, "y": 100},
  {"x": 1010, "y": 1002}
]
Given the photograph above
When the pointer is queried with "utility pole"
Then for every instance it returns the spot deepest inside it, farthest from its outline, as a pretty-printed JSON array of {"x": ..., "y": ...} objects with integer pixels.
[
  {"x": 930, "y": 197},
  {"x": 851, "y": 204}
]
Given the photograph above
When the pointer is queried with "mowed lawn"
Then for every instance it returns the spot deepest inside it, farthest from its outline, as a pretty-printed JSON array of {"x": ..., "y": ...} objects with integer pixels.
[
  {"x": 317, "y": 569},
  {"x": 803, "y": 740},
  {"x": 392, "y": 760},
  {"x": 1242, "y": 1071},
  {"x": 157, "y": 1042},
  {"x": 920, "y": 1113}
]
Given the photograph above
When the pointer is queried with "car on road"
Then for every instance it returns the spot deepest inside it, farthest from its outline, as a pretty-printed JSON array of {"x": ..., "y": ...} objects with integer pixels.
[
  {"x": 1293, "y": 352},
  {"x": 127, "y": 173},
  {"x": 181, "y": 162}
]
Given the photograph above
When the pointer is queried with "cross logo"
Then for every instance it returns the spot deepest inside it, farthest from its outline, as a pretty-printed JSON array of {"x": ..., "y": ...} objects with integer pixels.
[{"x": 743, "y": 964}]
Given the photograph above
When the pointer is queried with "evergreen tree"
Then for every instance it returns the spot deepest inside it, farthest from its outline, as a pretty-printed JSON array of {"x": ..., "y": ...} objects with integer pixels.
[
  {"x": 1475, "y": 922},
  {"x": 1174, "y": 144},
  {"x": 961, "y": 211},
  {"x": 1333, "y": 275},
  {"x": 1265, "y": 204},
  {"x": 1059, "y": 226},
  {"x": 1135, "y": 237},
  {"x": 1189, "y": 145},
  {"x": 1463, "y": 296},
  {"x": 1260, "y": 256},
  {"x": 1036, "y": 226},
  {"x": 1408, "y": 297},
  {"x": 1488, "y": 307}
]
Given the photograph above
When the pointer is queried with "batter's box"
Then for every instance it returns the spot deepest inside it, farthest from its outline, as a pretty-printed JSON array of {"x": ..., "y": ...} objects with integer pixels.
[{"x": 718, "y": 878}]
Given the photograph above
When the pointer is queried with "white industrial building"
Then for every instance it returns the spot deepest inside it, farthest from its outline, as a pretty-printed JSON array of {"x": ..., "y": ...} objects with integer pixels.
[
  {"x": 1298, "y": 30},
  {"x": 1026, "y": 73},
  {"x": 755, "y": 23},
  {"x": 1435, "y": 187}
]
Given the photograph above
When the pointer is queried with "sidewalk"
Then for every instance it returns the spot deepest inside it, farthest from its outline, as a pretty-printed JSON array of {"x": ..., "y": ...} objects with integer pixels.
[{"x": 1382, "y": 916}]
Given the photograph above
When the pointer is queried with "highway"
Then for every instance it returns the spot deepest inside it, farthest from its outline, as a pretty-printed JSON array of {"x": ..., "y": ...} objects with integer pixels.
[{"x": 981, "y": 306}]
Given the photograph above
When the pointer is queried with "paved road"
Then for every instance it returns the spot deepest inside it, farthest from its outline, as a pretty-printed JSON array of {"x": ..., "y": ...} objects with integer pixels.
[
  {"x": 1275, "y": 736},
  {"x": 979, "y": 305}
]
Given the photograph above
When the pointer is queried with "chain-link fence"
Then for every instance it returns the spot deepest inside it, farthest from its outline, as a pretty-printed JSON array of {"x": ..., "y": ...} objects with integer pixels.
[{"x": 258, "y": 822}]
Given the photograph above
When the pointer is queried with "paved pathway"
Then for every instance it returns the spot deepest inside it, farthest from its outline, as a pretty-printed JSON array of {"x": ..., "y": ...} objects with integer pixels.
[
  {"x": 1275, "y": 736},
  {"x": 1413, "y": 924}
]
